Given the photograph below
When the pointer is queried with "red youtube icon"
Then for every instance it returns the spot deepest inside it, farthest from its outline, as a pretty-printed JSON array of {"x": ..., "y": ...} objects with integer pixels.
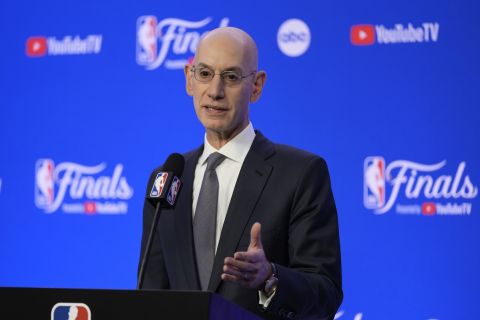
[
  {"x": 90, "y": 207},
  {"x": 362, "y": 34},
  {"x": 429, "y": 208},
  {"x": 36, "y": 46}
]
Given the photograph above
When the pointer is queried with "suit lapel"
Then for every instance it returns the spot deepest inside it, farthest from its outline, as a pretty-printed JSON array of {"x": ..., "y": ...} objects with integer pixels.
[
  {"x": 250, "y": 183},
  {"x": 183, "y": 222}
]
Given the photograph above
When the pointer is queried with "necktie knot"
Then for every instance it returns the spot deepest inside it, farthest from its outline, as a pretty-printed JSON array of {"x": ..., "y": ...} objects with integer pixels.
[{"x": 214, "y": 160}]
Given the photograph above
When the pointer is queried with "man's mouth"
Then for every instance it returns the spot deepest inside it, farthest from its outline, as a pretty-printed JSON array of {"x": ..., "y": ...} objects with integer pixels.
[{"x": 215, "y": 109}]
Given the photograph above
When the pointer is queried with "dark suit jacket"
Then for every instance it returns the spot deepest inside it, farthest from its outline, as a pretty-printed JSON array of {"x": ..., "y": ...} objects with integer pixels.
[{"x": 288, "y": 191}]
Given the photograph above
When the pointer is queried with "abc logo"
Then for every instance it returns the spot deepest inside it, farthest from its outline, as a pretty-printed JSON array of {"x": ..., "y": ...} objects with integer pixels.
[{"x": 293, "y": 37}]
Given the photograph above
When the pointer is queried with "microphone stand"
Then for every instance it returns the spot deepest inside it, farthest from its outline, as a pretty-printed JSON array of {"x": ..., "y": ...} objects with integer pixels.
[{"x": 141, "y": 273}]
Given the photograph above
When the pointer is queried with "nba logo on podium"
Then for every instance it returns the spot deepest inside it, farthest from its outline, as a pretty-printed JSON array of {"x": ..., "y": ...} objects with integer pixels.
[
  {"x": 70, "y": 311},
  {"x": 374, "y": 182}
]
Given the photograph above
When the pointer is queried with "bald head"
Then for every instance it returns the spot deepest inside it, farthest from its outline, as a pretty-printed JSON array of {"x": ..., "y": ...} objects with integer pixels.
[{"x": 232, "y": 41}]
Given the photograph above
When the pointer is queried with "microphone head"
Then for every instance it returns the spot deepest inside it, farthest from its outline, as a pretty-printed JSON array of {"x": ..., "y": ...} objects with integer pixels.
[
  {"x": 175, "y": 164},
  {"x": 166, "y": 183}
]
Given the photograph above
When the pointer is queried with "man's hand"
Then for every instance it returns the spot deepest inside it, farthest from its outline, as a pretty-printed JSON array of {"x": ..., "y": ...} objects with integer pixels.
[{"x": 249, "y": 268}]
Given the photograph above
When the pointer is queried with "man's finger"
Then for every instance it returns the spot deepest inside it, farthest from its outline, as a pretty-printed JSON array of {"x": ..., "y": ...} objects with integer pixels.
[
  {"x": 248, "y": 282},
  {"x": 228, "y": 277},
  {"x": 255, "y": 237},
  {"x": 242, "y": 266},
  {"x": 227, "y": 269},
  {"x": 246, "y": 256}
]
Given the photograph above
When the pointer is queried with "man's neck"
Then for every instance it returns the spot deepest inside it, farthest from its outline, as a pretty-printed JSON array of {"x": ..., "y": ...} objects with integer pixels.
[{"x": 219, "y": 139}]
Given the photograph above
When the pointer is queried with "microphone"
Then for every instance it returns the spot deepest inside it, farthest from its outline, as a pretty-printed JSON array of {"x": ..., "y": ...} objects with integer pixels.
[
  {"x": 162, "y": 192},
  {"x": 166, "y": 184}
]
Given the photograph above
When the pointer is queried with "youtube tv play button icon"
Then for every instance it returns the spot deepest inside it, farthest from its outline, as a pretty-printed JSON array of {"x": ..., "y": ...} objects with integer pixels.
[
  {"x": 362, "y": 34},
  {"x": 36, "y": 46}
]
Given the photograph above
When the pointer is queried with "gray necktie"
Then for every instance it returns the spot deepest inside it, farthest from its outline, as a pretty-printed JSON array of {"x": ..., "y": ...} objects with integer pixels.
[{"x": 205, "y": 220}]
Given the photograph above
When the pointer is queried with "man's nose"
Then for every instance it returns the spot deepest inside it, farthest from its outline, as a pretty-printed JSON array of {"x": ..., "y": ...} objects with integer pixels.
[{"x": 216, "y": 88}]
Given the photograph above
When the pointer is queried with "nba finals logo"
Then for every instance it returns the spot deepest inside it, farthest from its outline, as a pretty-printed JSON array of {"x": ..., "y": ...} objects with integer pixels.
[
  {"x": 70, "y": 311},
  {"x": 414, "y": 188},
  {"x": 76, "y": 188},
  {"x": 155, "y": 41}
]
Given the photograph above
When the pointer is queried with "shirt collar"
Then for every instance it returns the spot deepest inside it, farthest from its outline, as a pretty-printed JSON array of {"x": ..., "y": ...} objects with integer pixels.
[{"x": 235, "y": 149}]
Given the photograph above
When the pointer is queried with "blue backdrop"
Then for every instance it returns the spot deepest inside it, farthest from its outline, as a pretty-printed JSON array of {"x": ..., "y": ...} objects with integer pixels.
[{"x": 92, "y": 98}]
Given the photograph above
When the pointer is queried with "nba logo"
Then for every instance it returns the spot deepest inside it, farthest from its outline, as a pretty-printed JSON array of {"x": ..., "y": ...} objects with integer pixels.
[
  {"x": 173, "y": 192},
  {"x": 146, "y": 40},
  {"x": 44, "y": 183},
  {"x": 158, "y": 184},
  {"x": 374, "y": 182},
  {"x": 70, "y": 311}
]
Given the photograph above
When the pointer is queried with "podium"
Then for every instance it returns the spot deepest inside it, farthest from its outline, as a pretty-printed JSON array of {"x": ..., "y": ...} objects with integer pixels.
[{"x": 40, "y": 303}]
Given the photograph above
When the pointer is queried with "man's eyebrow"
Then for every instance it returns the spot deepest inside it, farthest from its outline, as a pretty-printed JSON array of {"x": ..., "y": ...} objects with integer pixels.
[
  {"x": 235, "y": 68},
  {"x": 204, "y": 65},
  {"x": 232, "y": 68}
]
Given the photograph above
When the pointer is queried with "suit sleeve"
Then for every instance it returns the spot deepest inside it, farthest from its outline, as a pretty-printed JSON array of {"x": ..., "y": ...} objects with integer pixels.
[
  {"x": 310, "y": 286},
  {"x": 155, "y": 275}
]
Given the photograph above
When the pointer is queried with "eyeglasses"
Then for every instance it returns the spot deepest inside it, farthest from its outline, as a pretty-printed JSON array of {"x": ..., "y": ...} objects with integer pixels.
[{"x": 229, "y": 77}]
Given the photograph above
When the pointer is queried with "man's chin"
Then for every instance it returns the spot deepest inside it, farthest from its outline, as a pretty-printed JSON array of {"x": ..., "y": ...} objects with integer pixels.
[
  {"x": 222, "y": 128},
  {"x": 217, "y": 130},
  {"x": 215, "y": 125}
]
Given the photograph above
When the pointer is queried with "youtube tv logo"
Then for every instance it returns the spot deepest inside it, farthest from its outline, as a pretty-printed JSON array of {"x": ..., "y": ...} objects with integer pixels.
[
  {"x": 36, "y": 46},
  {"x": 41, "y": 46},
  {"x": 399, "y": 33},
  {"x": 362, "y": 34}
]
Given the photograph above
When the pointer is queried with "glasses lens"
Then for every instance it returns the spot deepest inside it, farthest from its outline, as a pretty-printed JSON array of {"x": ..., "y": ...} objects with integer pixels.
[
  {"x": 231, "y": 77},
  {"x": 203, "y": 74}
]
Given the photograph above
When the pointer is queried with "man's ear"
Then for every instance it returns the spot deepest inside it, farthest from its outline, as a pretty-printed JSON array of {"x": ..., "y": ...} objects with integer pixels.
[
  {"x": 188, "y": 79},
  {"x": 259, "y": 82}
]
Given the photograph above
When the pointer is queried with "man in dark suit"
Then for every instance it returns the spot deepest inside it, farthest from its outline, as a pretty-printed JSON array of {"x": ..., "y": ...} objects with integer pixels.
[{"x": 273, "y": 244}]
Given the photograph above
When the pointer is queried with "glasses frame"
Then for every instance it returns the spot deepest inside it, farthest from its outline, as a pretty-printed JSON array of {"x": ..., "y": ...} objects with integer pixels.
[{"x": 194, "y": 68}]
